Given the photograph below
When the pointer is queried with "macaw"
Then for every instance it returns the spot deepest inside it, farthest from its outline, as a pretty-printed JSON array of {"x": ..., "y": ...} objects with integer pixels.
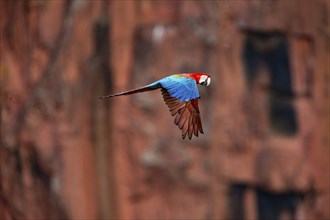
[{"x": 181, "y": 95}]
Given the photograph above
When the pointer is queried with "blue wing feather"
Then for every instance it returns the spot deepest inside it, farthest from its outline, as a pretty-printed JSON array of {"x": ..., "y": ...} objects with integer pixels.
[{"x": 181, "y": 88}]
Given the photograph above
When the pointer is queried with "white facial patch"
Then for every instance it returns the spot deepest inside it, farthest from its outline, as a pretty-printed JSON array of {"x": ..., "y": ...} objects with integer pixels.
[{"x": 204, "y": 80}]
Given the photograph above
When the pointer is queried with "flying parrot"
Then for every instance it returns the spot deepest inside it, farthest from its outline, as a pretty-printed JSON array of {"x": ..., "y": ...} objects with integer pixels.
[{"x": 181, "y": 95}]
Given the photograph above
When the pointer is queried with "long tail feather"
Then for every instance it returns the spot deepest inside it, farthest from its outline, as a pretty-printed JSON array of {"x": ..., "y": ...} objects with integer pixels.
[{"x": 133, "y": 91}]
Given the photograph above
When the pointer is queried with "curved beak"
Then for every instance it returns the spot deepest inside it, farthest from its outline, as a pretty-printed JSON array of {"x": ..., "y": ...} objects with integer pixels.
[{"x": 208, "y": 81}]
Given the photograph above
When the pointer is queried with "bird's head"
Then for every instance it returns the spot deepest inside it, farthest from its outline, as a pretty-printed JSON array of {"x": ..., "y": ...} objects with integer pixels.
[{"x": 204, "y": 80}]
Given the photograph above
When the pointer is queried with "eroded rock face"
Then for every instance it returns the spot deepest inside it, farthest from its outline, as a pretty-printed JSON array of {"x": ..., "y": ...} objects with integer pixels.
[{"x": 66, "y": 154}]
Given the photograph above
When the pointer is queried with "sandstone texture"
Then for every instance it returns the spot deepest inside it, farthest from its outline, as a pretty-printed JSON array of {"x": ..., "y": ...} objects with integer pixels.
[{"x": 65, "y": 154}]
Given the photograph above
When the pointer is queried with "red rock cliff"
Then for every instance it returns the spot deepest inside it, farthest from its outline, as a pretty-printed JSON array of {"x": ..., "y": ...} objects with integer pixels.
[{"x": 66, "y": 154}]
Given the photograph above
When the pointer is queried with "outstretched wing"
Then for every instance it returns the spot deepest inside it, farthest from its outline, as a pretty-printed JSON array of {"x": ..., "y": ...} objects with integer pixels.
[
  {"x": 179, "y": 87},
  {"x": 186, "y": 113}
]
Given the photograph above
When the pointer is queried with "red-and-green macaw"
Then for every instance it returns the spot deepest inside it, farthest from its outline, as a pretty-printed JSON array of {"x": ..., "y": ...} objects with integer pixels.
[{"x": 181, "y": 95}]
